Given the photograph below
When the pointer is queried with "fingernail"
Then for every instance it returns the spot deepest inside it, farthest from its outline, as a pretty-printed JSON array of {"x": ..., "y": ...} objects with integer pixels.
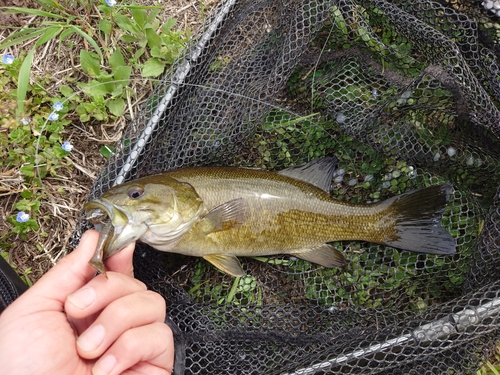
[
  {"x": 105, "y": 365},
  {"x": 82, "y": 298},
  {"x": 92, "y": 338}
]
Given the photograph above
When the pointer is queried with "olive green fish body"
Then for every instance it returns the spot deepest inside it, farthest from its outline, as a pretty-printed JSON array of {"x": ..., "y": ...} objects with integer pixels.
[
  {"x": 220, "y": 213},
  {"x": 283, "y": 214}
]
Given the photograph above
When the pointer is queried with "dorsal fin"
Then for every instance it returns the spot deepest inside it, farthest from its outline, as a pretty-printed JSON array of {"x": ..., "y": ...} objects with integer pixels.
[{"x": 317, "y": 172}]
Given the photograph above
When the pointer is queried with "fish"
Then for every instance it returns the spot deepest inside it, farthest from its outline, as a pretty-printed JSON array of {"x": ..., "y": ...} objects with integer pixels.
[{"x": 222, "y": 213}]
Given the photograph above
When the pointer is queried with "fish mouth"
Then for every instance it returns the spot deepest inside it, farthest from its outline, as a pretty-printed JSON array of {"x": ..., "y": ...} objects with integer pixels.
[
  {"x": 104, "y": 215},
  {"x": 99, "y": 211}
]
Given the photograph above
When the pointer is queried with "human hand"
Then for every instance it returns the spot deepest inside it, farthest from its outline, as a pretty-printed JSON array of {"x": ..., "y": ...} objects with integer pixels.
[{"x": 72, "y": 323}]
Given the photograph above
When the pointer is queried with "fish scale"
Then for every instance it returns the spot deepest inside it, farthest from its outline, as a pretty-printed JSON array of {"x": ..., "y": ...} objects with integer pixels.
[{"x": 221, "y": 213}]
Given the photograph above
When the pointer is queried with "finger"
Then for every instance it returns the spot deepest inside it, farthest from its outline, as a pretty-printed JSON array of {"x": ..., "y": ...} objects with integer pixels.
[
  {"x": 133, "y": 310},
  {"x": 68, "y": 275},
  {"x": 147, "y": 349},
  {"x": 122, "y": 261},
  {"x": 99, "y": 293}
]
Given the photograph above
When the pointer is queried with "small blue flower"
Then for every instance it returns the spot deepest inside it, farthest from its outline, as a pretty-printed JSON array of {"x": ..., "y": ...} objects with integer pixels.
[
  {"x": 67, "y": 146},
  {"x": 58, "y": 106},
  {"x": 22, "y": 217},
  {"x": 7, "y": 58},
  {"x": 25, "y": 120},
  {"x": 111, "y": 2},
  {"x": 53, "y": 116}
]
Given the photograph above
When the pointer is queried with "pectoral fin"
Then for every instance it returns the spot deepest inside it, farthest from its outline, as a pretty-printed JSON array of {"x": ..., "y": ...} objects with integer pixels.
[
  {"x": 226, "y": 263},
  {"x": 325, "y": 255},
  {"x": 226, "y": 216}
]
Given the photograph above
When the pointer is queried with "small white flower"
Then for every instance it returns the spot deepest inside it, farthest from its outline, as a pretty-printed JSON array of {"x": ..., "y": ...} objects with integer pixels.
[
  {"x": 53, "y": 116},
  {"x": 58, "y": 106},
  {"x": 111, "y": 2},
  {"x": 67, "y": 146},
  {"x": 25, "y": 120},
  {"x": 7, "y": 58}
]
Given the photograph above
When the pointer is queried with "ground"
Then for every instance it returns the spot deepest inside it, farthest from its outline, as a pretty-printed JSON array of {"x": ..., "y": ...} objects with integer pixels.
[{"x": 66, "y": 192}]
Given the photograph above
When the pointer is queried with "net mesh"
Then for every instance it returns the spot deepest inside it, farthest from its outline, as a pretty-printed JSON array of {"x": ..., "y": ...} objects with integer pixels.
[{"x": 405, "y": 94}]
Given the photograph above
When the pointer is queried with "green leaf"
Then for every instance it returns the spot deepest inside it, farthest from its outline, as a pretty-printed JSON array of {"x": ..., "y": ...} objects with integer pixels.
[
  {"x": 26, "y": 194},
  {"x": 105, "y": 26},
  {"x": 49, "y": 34},
  {"x": 97, "y": 89},
  {"x": 59, "y": 152},
  {"x": 35, "y": 12},
  {"x": 116, "y": 106},
  {"x": 167, "y": 26},
  {"x": 32, "y": 224},
  {"x": 125, "y": 24},
  {"x": 153, "y": 68},
  {"x": 66, "y": 91},
  {"x": 90, "y": 64},
  {"x": 116, "y": 59},
  {"x": 129, "y": 38},
  {"x": 153, "y": 14},
  {"x": 22, "y": 205},
  {"x": 50, "y": 4},
  {"x": 117, "y": 91},
  {"x": 122, "y": 74},
  {"x": 88, "y": 39},
  {"x": 154, "y": 39},
  {"x": 21, "y": 36},
  {"x": 107, "y": 151},
  {"x": 23, "y": 81},
  {"x": 139, "y": 17},
  {"x": 27, "y": 170},
  {"x": 139, "y": 53},
  {"x": 65, "y": 34}
]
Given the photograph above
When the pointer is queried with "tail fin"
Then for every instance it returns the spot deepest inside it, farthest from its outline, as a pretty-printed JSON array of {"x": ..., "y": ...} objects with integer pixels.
[{"x": 418, "y": 216}]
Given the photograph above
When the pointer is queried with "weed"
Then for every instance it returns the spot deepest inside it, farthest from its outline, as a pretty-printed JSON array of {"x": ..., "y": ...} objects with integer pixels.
[{"x": 124, "y": 41}]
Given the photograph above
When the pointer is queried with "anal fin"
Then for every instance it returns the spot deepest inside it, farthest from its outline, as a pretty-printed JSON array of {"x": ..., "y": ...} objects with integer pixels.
[
  {"x": 325, "y": 255},
  {"x": 226, "y": 263}
]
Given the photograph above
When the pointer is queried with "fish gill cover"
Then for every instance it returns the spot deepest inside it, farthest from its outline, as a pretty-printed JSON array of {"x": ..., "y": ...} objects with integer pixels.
[{"x": 405, "y": 94}]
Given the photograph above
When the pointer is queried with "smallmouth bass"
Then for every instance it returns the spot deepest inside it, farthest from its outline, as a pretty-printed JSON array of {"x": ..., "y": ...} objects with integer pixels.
[{"x": 221, "y": 213}]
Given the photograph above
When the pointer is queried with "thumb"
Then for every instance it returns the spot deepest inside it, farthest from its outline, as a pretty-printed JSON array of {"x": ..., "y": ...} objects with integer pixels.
[
  {"x": 122, "y": 261},
  {"x": 68, "y": 275}
]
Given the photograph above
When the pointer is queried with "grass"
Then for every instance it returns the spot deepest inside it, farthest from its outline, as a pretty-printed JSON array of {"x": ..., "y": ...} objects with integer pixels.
[{"x": 50, "y": 157}]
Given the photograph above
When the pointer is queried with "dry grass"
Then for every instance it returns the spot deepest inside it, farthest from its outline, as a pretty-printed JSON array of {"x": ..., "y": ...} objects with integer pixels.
[{"x": 66, "y": 193}]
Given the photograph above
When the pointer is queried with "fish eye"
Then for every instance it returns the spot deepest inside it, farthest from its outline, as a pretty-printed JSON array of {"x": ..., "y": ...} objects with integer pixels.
[{"x": 135, "y": 192}]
